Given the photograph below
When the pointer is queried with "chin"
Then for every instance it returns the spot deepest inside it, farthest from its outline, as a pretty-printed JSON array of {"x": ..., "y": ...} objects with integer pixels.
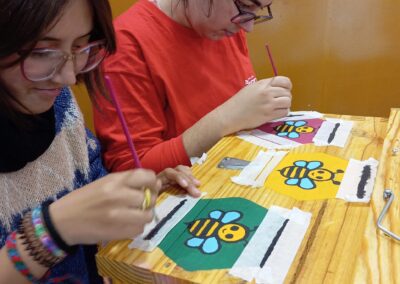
[{"x": 43, "y": 107}]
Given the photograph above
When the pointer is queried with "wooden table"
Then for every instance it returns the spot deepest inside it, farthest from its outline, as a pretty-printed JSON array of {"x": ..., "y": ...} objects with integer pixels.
[{"x": 342, "y": 244}]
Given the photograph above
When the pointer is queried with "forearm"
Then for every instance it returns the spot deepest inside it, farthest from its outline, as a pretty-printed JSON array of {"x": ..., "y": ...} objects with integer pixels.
[
  {"x": 166, "y": 154},
  {"x": 8, "y": 272},
  {"x": 205, "y": 133}
]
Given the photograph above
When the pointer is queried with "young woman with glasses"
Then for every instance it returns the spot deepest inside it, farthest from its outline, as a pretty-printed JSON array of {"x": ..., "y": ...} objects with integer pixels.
[
  {"x": 56, "y": 201},
  {"x": 185, "y": 80}
]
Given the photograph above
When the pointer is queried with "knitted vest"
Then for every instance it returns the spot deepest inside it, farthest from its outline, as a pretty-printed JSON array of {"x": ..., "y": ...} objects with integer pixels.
[{"x": 71, "y": 161}]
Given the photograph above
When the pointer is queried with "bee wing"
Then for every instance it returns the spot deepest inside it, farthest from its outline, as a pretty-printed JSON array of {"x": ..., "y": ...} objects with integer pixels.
[
  {"x": 294, "y": 135},
  {"x": 292, "y": 181},
  {"x": 300, "y": 163},
  {"x": 300, "y": 123},
  {"x": 282, "y": 134},
  {"x": 314, "y": 165},
  {"x": 306, "y": 183},
  {"x": 289, "y": 122},
  {"x": 194, "y": 242},
  {"x": 211, "y": 245},
  {"x": 216, "y": 214},
  {"x": 231, "y": 216}
]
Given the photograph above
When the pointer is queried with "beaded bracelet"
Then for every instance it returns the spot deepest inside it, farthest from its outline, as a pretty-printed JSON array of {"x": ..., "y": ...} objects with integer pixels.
[
  {"x": 15, "y": 257},
  {"x": 33, "y": 244},
  {"x": 42, "y": 234}
]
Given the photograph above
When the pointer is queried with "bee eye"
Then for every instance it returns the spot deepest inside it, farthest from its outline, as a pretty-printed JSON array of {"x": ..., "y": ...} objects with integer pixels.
[
  {"x": 234, "y": 228},
  {"x": 229, "y": 236},
  {"x": 320, "y": 172},
  {"x": 318, "y": 177}
]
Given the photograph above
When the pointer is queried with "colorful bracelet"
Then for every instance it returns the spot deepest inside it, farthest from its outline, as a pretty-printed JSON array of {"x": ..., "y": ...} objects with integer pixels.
[
  {"x": 33, "y": 244},
  {"x": 15, "y": 257},
  {"x": 55, "y": 236},
  {"x": 42, "y": 234}
]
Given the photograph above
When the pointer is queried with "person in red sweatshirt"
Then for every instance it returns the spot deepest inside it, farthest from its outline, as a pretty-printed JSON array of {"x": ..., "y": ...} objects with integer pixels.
[{"x": 184, "y": 79}]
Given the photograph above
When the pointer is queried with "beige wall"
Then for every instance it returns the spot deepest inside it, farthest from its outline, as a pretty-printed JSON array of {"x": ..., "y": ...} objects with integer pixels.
[{"x": 342, "y": 56}]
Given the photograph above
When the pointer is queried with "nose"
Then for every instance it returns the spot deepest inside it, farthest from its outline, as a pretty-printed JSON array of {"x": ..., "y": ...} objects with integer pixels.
[
  {"x": 247, "y": 26},
  {"x": 66, "y": 76}
]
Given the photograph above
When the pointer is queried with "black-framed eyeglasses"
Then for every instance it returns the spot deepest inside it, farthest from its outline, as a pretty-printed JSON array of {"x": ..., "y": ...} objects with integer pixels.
[
  {"x": 247, "y": 16},
  {"x": 43, "y": 63}
]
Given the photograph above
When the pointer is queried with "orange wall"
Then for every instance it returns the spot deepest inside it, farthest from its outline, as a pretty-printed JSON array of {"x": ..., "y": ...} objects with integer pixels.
[{"x": 342, "y": 56}]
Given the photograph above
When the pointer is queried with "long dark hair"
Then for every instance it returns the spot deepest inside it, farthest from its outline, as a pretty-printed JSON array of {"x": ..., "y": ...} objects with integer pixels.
[{"x": 22, "y": 23}]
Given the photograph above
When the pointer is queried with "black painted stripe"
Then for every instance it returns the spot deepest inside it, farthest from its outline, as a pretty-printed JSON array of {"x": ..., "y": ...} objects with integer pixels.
[
  {"x": 273, "y": 243},
  {"x": 365, "y": 176},
  {"x": 333, "y": 133},
  {"x": 164, "y": 220}
]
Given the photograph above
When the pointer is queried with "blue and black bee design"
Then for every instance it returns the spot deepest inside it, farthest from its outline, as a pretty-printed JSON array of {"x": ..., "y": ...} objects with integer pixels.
[
  {"x": 293, "y": 129},
  {"x": 220, "y": 226},
  {"x": 304, "y": 174}
]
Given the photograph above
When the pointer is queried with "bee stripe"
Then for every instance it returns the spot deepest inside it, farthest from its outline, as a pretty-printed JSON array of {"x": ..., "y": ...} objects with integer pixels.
[
  {"x": 292, "y": 172},
  {"x": 283, "y": 128},
  {"x": 302, "y": 172},
  {"x": 203, "y": 227},
  {"x": 212, "y": 229},
  {"x": 193, "y": 227},
  {"x": 286, "y": 172}
]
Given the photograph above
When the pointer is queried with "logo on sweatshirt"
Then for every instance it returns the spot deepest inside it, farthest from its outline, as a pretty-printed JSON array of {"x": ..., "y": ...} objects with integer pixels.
[{"x": 252, "y": 79}]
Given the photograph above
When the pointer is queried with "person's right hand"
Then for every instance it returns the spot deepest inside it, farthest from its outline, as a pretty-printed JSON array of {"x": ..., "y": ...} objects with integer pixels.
[
  {"x": 107, "y": 209},
  {"x": 256, "y": 104}
]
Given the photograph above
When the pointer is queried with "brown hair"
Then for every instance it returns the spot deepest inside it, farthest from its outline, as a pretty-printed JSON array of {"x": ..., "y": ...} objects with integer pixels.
[{"x": 26, "y": 20}]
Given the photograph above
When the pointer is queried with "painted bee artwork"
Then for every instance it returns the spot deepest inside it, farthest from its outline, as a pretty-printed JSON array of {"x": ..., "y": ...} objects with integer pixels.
[
  {"x": 293, "y": 129},
  {"x": 209, "y": 233},
  {"x": 305, "y": 174}
]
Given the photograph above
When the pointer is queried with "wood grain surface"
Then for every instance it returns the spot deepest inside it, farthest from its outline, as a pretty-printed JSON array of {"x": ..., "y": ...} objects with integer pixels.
[{"x": 342, "y": 244}]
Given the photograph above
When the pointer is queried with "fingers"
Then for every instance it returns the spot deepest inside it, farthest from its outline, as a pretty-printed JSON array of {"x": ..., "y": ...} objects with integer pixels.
[
  {"x": 129, "y": 223},
  {"x": 276, "y": 87},
  {"x": 183, "y": 177},
  {"x": 281, "y": 82},
  {"x": 279, "y": 113},
  {"x": 282, "y": 102},
  {"x": 127, "y": 189},
  {"x": 140, "y": 179}
]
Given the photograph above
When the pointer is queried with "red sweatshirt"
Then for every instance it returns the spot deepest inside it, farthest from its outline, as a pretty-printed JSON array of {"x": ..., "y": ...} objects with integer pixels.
[{"x": 166, "y": 78}]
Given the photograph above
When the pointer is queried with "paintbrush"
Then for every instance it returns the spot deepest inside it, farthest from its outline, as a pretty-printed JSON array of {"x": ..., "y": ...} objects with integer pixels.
[
  {"x": 271, "y": 60},
  {"x": 147, "y": 192}
]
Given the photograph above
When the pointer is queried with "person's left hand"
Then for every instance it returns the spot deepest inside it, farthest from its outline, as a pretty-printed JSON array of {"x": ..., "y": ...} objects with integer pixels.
[{"x": 182, "y": 176}]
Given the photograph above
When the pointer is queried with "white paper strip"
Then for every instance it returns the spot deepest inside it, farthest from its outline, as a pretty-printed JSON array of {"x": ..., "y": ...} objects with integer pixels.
[
  {"x": 181, "y": 204},
  {"x": 300, "y": 115},
  {"x": 333, "y": 132},
  {"x": 255, "y": 173},
  {"x": 267, "y": 140},
  {"x": 197, "y": 160},
  {"x": 276, "y": 159},
  {"x": 358, "y": 181},
  {"x": 266, "y": 261}
]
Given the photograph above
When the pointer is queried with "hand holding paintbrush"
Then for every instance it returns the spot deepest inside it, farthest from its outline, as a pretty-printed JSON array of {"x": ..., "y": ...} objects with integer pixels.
[{"x": 181, "y": 175}]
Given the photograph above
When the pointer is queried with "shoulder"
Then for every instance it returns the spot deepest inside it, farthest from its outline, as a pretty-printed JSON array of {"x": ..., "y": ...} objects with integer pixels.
[
  {"x": 138, "y": 16},
  {"x": 241, "y": 42}
]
